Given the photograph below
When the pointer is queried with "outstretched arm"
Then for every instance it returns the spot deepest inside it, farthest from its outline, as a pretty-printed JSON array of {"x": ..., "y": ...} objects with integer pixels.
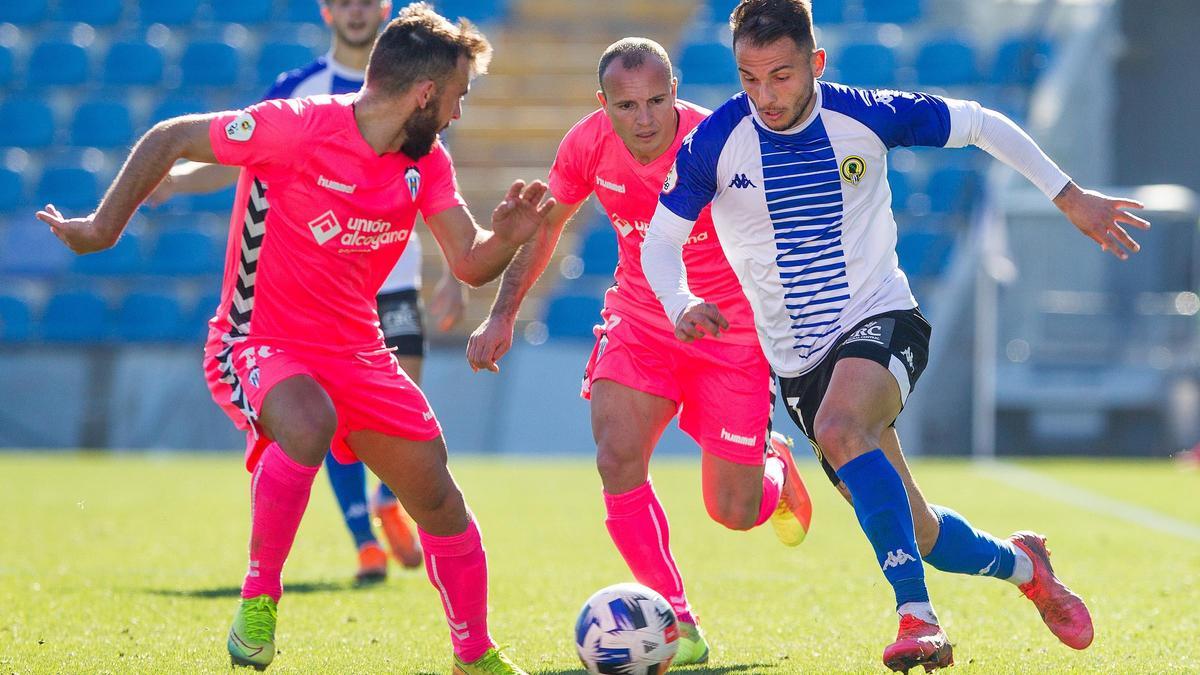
[
  {"x": 1097, "y": 216},
  {"x": 493, "y": 338},
  {"x": 189, "y": 178},
  {"x": 475, "y": 255},
  {"x": 182, "y": 137}
]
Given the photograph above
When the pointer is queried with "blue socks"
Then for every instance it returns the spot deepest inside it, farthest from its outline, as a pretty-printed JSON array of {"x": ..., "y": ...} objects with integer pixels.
[
  {"x": 962, "y": 549},
  {"x": 349, "y": 482},
  {"x": 881, "y": 504},
  {"x": 384, "y": 493}
]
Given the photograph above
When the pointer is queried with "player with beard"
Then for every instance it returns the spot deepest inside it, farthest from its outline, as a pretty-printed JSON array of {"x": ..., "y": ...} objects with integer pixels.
[
  {"x": 354, "y": 25},
  {"x": 295, "y": 355}
]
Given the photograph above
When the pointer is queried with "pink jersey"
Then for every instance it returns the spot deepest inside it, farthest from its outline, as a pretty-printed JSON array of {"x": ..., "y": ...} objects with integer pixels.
[
  {"x": 318, "y": 222},
  {"x": 593, "y": 158}
]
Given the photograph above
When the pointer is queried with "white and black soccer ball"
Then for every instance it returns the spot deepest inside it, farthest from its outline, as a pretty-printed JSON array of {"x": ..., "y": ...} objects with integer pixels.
[{"x": 626, "y": 629}]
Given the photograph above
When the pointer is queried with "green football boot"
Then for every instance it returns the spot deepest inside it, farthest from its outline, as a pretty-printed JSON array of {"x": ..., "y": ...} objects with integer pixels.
[
  {"x": 493, "y": 662},
  {"x": 693, "y": 648},
  {"x": 252, "y": 636}
]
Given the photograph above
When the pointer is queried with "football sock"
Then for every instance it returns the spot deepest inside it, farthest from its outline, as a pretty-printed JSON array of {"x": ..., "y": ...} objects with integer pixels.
[
  {"x": 638, "y": 526},
  {"x": 962, "y": 549},
  {"x": 881, "y": 504},
  {"x": 279, "y": 492},
  {"x": 349, "y": 482},
  {"x": 773, "y": 476},
  {"x": 457, "y": 568},
  {"x": 384, "y": 494}
]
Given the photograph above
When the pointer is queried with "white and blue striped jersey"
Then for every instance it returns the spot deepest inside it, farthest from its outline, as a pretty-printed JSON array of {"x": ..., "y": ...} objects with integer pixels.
[
  {"x": 804, "y": 215},
  {"x": 327, "y": 76}
]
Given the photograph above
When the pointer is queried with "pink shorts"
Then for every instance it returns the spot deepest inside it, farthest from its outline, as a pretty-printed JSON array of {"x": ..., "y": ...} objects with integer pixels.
[
  {"x": 369, "y": 391},
  {"x": 723, "y": 390}
]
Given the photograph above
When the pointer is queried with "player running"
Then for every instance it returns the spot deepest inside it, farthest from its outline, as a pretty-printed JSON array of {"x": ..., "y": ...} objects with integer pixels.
[
  {"x": 795, "y": 171},
  {"x": 639, "y": 376},
  {"x": 354, "y": 24},
  {"x": 295, "y": 354}
]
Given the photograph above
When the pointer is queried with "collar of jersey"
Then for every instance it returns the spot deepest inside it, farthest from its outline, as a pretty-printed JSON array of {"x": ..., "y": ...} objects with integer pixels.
[
  {"x": 789, "y": 134},
  {"x": 343, "y": 71}
]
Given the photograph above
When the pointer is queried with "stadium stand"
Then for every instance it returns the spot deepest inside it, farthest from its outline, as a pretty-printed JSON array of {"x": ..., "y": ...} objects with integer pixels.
[
  {"x": 12, "y": 190},
  {"x": 23, "y": 13},
  {"x": 68, "y": 187},
  {"x": 209, "y": 64},
  {"x": 168, "y": 12},
  {"x": 946, "y": 62},
  {"x": 102, "y": 124},
  {"x": 6, "y": 65},
  {"x": 148, "y": 316},
  {"x": 57, "y": 63},
  {"x": 572, "y": 316},
  {"x": 16, "y": 320},
  {"x": 133, "y": 64},
  {"x": 98, "y": 13},
  {"x": 891, "y": 11},
  {"x": 78, "y": 316},
  {"x": 124, "y": 259}
]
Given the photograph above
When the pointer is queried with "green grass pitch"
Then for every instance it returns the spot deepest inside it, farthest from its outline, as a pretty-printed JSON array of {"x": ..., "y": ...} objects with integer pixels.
[{"x": 131, "y": 563}]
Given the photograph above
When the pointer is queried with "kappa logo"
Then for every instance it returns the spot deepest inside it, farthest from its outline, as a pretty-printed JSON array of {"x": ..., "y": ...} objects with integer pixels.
[
  {"x": 325, "y": 227},
  {"x": 885, "y": 97},
  {"x": 615, "y": 187},
  {"x": 908, "y": 356},
  {"x": 897, "y": 558},
  {"x": 741, "y": 182},
  {"x": 412, "y": 176}
]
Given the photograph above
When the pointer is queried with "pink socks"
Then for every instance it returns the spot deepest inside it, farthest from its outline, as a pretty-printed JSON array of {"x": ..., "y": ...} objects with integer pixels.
[
  {"x": 279, "y": 493},
  {"x": 457, "y": 568},
  {"x": 638, "y": 526},
  {"x": 773, "y": 474}
]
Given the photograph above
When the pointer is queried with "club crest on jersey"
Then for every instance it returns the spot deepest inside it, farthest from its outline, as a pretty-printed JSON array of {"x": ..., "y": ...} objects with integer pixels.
[
  {"x": 853, "y": 169},
  {"x": 412, "y": 176},
  {"x": 241, "y": 128},
  {"x": 671, "y": 180}
]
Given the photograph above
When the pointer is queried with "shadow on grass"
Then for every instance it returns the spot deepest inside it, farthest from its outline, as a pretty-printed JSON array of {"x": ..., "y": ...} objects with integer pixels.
[
  {"x": 694, "y": 670},
  {"x": 236, "y": 591}
]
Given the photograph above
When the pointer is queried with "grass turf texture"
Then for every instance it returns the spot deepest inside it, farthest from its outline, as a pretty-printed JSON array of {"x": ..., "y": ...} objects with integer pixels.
[{"x": 131, "y": 563}]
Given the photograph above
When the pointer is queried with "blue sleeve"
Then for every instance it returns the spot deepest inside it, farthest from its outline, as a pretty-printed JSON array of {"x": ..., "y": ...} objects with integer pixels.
[
  {"x": 898, "y": 118},
  {"x": 283, "y": 87},
  {"x": 692, "y": 183}
]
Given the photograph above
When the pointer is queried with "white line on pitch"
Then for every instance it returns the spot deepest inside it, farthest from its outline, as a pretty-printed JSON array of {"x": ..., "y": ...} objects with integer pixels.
[{"x": 1051, "y": 488}]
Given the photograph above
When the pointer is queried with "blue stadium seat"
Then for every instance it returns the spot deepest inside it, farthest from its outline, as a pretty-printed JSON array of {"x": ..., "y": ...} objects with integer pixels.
[
  {"x": 242, "y": 11},
  {"x": 184, "y": 252},
  {"x": 196, "y": 325},
  {"x": 22, "y": 12},
  {"x": 29, "y": 248},
  {"x": 54, "y": 63},
  {"x": 102, "y": 124},
  {"x": 707, "y": 63},
  {"x": 901, "y": 189},
  {"x": 924, "y": 253},
  {"x": 220, "y": 201},
  {"x": 96, "y": 12},
  {"x": 121, "y": 260},
  {"x": 478, "y": 11},
  {"x": 6, "y": 65},
  {"x": 148, "y": 316},
  {"x": 75, "y": 316},
  {"x": 891, "y": 11},
  {"x": 946, "y": 62},
  {"x": 26, "y": 123},
  {"x": 952, "y": 189},
  {"x": 70, "y": 188},
  {"x": 133, "y": 63},
  {"x": 169, "y": 12},
  {"x": 599, "y": 251},
  {"x": 12, "y": 190},
  {"x": 572, "y": 316},
  {"x": 867, "y": 64},
  {"x": 16, "y": 321},
  {"x": 209, "y": 64},
  {"x": 302, "y": 11},
  {"x": 175, "y": 105},
  {"x": 825, "y": 12},
  {"x": 279, "y": 57},
  {"x": 1020, "y": 60}
]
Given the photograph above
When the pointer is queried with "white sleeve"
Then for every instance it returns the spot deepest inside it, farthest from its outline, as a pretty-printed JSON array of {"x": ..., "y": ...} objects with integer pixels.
[
  {"x": 992, "y": 132},
  {"x": 662, "y": 262}
]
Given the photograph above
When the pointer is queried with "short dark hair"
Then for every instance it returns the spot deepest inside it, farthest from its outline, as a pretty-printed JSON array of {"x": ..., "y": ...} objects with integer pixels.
[
  {"x": 632, "y": 51},
  {"x": 761, "y": 22},
  {"x": 422, "y": 44}
]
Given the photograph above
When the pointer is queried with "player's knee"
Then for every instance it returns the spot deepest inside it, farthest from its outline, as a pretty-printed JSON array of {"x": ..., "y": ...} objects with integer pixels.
[
  {"x": 618, "y": 466},
  {"x": 735, "y": 512},
  {"x": 310, "y": 434},
  {"x": 841, "y": 437}
]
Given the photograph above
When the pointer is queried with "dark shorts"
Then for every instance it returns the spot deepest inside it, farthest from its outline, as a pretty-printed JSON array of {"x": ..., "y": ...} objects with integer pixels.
[
  {"x": 898, "y": 341},
  {"x": 400, "y": 318}
]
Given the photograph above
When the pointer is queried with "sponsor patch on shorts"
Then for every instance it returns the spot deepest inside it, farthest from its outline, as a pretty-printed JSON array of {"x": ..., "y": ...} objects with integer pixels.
[{"x": 875, "y": 331}]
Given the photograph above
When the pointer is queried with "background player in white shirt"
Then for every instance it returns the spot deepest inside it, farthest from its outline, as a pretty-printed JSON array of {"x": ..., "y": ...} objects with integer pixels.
[
  {"x": 353, "y": 26},
  {"x": 795, "y": 171}
]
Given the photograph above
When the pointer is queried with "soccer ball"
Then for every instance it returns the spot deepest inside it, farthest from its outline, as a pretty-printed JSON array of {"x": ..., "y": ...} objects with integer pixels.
[{"x": 626, "y": 629}]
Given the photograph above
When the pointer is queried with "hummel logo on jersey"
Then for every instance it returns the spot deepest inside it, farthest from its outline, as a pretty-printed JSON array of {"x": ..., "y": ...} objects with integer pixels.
[
  {"x": 336, "y": 186},
  {"x": 897, "y": 558},
  {"x": 740, "y": 440},
  {"x": 741, "y": 182},
  {"x": 908, "y": 356},
  {"x": 615, "y": 187},
  {"x": 325, "y": 227}
]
